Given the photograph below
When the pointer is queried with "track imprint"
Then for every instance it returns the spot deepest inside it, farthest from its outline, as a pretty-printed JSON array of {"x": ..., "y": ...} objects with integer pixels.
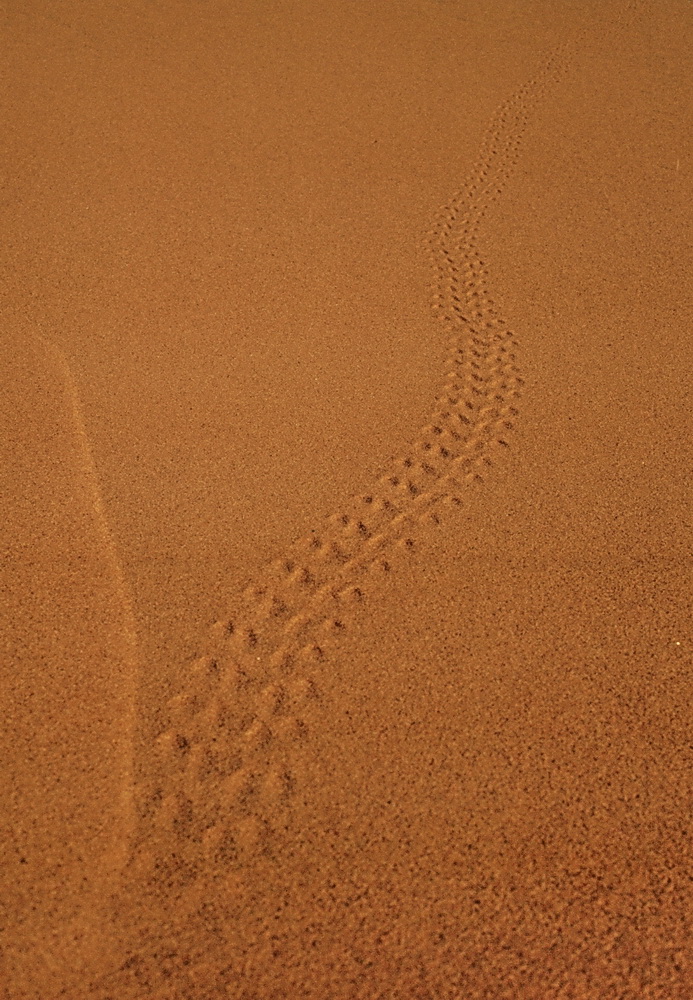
[{"x": 223, "y": 760}]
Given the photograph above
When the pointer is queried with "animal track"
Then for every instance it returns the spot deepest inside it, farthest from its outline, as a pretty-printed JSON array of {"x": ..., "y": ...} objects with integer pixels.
[{"x": 224, "y": 759}]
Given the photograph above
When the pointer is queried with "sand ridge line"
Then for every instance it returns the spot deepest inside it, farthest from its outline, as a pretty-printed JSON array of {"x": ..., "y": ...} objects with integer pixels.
[
  {"x": 222, "y": 776},
  {"x": 59, "y": 362}
]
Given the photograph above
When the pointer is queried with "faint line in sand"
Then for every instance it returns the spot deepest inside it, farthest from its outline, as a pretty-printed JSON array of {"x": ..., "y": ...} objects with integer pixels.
[{"x": 103, "y": 530}]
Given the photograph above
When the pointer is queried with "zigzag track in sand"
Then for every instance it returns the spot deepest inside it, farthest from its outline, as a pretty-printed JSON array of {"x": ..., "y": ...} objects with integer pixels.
[{"x": 222, "y": 775}]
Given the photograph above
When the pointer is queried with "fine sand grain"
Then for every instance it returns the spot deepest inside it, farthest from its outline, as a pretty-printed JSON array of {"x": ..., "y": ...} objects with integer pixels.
[{"x": 345, "y": 501}]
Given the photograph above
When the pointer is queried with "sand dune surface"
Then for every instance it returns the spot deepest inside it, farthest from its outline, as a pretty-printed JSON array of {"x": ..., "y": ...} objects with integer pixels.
[{"x": 346, "y": 491}]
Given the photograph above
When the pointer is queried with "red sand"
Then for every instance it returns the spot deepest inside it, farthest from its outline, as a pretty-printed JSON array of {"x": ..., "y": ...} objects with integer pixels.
[{"x": 436, "y": 743}]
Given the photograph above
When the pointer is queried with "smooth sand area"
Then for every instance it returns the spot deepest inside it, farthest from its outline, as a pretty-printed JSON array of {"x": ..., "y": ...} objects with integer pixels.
[{"x": 345, "y": 501}]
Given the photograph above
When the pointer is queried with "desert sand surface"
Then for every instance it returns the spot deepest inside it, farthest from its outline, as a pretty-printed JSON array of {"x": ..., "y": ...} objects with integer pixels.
[{"x": 345, "y": 500}]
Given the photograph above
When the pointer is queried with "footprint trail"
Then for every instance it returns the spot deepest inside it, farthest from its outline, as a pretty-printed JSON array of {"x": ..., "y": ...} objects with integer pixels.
[{"x": 225, "y": 761}]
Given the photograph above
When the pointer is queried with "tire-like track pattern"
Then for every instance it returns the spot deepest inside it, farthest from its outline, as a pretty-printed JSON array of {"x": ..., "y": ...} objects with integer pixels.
[{"x": 223, "y": 774}]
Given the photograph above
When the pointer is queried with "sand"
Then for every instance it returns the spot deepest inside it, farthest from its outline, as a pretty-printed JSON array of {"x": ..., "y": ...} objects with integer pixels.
[{"x": 345, "y": 501}]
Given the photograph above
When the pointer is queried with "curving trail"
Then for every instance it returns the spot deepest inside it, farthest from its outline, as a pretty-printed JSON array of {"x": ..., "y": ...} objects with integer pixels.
[{"x": 226, "y": 761}]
